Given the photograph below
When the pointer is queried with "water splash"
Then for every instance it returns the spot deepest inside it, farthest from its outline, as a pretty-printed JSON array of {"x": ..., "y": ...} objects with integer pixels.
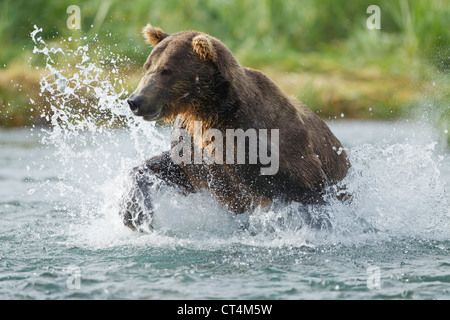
[{"x": 398, "y": 188}]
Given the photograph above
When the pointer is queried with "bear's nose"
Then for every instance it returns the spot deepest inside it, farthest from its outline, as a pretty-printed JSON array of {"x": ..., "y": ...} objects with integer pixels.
[{"x": 134, "y": 104}]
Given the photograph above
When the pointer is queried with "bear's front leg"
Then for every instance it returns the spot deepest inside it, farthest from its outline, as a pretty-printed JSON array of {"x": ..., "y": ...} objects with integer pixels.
[{"x": 136, "y": 209}]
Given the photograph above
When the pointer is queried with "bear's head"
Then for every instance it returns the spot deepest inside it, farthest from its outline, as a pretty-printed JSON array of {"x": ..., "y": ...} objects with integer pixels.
[{"x": 186, "y": 72}]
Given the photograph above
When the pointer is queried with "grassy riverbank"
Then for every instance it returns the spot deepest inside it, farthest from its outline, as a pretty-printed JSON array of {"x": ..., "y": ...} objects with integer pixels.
[{"x": 319, "y": 51}]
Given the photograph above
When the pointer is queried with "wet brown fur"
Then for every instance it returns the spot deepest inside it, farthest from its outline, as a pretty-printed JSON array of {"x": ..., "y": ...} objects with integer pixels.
[{"x": 215, "y": 89}]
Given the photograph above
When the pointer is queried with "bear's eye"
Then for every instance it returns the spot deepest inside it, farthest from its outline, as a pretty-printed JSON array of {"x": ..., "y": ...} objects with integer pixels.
[{"x": 166, "y": 72}]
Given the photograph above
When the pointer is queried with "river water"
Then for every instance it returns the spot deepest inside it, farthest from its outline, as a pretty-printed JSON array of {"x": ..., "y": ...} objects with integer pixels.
[{"x": 61, "y": 237}]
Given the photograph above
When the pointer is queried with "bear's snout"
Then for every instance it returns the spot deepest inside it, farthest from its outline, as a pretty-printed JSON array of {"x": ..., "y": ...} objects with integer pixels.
[
  {"x": 135, "y": 104},
  {"x": 141, "y": 106}
]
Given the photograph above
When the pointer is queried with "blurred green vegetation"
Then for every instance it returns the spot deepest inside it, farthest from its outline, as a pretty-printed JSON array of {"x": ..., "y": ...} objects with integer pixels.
[{"x": 320, "y": 51}]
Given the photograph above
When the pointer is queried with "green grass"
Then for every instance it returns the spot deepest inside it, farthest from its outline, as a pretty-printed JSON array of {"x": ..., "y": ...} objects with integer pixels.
[
  {"x": 336, "y": 65},
  {"x": 268, "y": 27}
]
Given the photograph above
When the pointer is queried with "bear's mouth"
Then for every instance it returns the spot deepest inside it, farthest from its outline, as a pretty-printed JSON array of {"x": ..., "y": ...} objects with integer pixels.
[
  {"x": 152, "y": 117},
  {"x": 156, "y": 115}
]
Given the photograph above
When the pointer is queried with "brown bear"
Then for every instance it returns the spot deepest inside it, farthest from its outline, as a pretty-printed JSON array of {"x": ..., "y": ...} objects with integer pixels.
[{"x": 193, "y": 79}]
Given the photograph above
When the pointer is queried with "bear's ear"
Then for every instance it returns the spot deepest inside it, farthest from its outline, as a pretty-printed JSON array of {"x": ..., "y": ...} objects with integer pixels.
[
  {"x": 203, "y": 46},
  {"x": 153, "y": 35}
]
